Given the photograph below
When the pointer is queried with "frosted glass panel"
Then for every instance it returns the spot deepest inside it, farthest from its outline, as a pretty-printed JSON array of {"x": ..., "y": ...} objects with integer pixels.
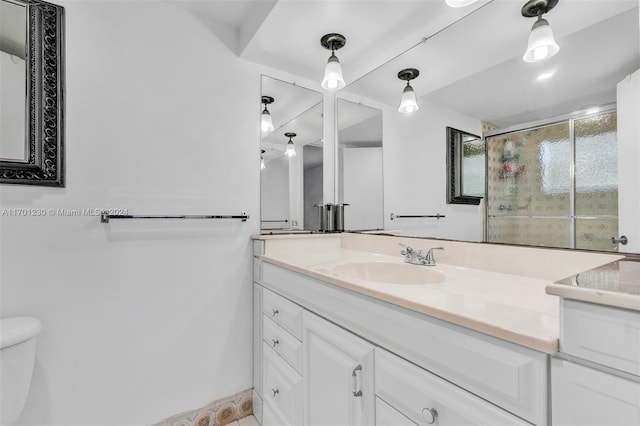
[
  {"x": 547, "y": 232},
  {"x": 473, "y": 164},
  {"x": 595, "y": 234},
  {"x": 596, "y": 166},
  {"x": 534, "y": 176},
  {"x": 529, "y": 172}
]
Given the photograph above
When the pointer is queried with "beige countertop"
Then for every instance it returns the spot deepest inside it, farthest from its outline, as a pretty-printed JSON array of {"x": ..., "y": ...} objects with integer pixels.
[
  {"x": 510, "y": 307},
  {"x": 614, "y": 284}
]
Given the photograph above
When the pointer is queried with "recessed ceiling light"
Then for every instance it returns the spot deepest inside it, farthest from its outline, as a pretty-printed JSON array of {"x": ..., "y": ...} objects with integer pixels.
[{"x": 546, "y": 75}]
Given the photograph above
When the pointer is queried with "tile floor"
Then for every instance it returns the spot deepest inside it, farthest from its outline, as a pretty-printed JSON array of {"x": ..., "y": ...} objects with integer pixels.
[{"x": 245, "y": 421}]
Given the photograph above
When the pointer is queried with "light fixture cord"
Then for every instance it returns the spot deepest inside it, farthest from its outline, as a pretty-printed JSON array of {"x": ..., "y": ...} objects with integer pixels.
[{"x": 423, "y": 40}]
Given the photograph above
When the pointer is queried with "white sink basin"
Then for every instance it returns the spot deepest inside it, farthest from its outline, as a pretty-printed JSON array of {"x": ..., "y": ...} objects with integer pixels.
[{"x": 387, "y": 272}]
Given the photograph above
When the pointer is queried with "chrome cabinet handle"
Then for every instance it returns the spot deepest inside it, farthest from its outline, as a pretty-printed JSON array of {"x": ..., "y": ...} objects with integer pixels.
[
  {"x": 429, "y": 415},
  {"x": 275, "y": 392},
  {"x": 275, "y": 342},
  {"x": 274, "y": 312},
  {"x": 357, "y": 381}
]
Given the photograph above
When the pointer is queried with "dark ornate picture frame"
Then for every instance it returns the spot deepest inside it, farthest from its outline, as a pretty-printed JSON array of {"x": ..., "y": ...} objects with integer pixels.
[
  {"x": 45, "y": 102},
  {"x": 454, "y": 168}
]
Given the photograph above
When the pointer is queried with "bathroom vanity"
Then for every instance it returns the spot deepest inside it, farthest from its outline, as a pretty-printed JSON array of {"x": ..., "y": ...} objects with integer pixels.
[{"x": 473, "y": 340}]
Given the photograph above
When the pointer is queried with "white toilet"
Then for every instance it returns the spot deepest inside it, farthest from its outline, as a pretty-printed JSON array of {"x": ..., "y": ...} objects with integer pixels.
[{"x": 17, "y": 356}]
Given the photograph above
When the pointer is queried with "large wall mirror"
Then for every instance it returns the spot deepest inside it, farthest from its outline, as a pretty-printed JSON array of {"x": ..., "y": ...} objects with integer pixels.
[
  {"x": 290, "y": 186},
  {"x": 493, "y": 92},
  {"x": 32, "y": 91}
]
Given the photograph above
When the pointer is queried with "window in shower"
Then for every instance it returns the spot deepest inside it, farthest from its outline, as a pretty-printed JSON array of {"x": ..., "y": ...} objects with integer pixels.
[{"x": 555, "y": 185}]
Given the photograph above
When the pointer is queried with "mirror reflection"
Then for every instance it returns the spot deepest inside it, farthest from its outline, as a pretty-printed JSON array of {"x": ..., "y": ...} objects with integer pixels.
[
  {"x": 291, "y": 185},
  {"x": 360, "y": 185},
  {"x": 486, "y": 86},
  {"x": 13, "y": 81}
]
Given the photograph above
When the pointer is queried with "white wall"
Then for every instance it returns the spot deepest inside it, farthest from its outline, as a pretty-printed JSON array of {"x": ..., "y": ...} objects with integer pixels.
[
  {"x": 415, "y": 173},
  {"x": 141, "y": 319},
  {"x": 361, "y": 174},
  {"x": 628, "y": 99}
]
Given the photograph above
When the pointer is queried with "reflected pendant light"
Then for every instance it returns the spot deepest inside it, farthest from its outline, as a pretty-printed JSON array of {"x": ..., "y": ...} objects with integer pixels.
[
  {"x": 262, "y": 165},
  {"x": 265, "y": 122},
  {"x": 408, "y": 101},
  {"x": 333, "y": 71},
  {"x": 541, "y": 43},
  {"x": 290, "y": 151},
  {"x": 460, "y": 3}
]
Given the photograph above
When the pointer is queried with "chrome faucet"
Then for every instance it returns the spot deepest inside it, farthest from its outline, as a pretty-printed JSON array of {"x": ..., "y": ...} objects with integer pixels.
[{"x": 415, "y": 256}]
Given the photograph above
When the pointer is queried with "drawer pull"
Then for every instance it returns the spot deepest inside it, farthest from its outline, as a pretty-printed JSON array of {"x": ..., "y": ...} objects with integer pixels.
[
  {"x": 357, "y": 382},
  {"x": 275, "y": 342},
  {"x": 274, "y": 312},
  {"x": 275, "y": 392},
  {"x": 430, "y": 415}
]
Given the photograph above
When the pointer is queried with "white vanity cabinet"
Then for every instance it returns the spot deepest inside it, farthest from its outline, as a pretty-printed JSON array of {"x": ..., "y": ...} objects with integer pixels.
[
  {"x": 338, "y": 375},
  {"x": 368, "y": 362},
  {"x": 596, "y": 375}
]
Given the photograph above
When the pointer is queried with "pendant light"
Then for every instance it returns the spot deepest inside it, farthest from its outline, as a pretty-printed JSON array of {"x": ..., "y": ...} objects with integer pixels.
[
  {"x": 262, "y": 165},
  {"x": 408, "y": 101},
  {"x": 333, "y": 71},
  {"x": 541, "y": 44},
  {"x": 265, "y": 122},
  {"x": 460, "y": 3},
  {"x": 290, "y": 151}
]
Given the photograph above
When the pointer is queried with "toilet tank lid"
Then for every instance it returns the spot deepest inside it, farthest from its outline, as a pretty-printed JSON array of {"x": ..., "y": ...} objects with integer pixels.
[{"x": 16, "y": 330}]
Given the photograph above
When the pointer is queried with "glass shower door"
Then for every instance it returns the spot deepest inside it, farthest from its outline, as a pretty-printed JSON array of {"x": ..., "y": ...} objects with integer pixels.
[
  {"x": 596, "y": 182},
  {"x": 555, "y": 185},
  {"x": 529, "y": 187}
]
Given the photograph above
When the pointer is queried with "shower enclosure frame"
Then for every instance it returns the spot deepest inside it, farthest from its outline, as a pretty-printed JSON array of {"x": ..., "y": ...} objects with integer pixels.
[{"x": 570, "y": 118}]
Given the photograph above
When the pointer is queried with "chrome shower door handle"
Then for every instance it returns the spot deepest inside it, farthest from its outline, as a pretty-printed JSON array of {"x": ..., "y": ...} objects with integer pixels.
[{"x": 622, "y": 240}]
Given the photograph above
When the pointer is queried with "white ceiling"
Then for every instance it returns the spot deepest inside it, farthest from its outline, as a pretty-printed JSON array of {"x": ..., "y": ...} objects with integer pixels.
[{"x": 471, "y": 60}]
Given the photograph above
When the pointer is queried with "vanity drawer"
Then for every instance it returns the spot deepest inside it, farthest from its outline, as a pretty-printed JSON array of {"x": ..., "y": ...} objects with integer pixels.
[
  {"x": 284, "y": 312},
  {"x": 586, "y": 396},
  {"x": 421, "y": 396},
  {"x": 601, "y": 334},
  {"x": 283, "y": 343},
  {"x": 386, "y": 415},
  {"x": 282, "y": 391}
]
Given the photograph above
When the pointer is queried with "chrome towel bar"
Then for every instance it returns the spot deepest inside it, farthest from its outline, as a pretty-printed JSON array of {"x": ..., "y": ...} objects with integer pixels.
[
  {"x": 105, "y": 217},
  {"x": 397, "y": 216}
]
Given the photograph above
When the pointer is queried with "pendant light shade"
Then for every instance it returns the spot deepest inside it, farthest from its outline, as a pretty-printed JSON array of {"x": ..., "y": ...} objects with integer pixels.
[
  {"x": 290, "y": 150},
  {"x": 266, "y": 123},
  {"x": 333, "y": 79},
  {"x": 460, "y": 3},
  {"x": 408, "y": 101},
  {"x": 541, "y": 43}
]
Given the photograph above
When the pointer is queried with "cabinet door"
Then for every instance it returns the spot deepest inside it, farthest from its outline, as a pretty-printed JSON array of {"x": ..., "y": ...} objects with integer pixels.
[
  {"x": 583, "y": 396},
  {"x": 337, "y": 375}
]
